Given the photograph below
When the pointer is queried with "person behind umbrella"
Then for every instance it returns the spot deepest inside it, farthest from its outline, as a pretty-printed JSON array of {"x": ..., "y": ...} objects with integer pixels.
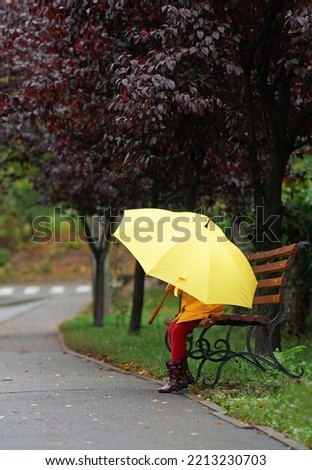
[{"x": 191, "y": 313}]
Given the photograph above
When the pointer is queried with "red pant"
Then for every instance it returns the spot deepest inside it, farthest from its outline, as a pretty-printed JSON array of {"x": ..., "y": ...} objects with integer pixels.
[{"x": 177, "y": 334}]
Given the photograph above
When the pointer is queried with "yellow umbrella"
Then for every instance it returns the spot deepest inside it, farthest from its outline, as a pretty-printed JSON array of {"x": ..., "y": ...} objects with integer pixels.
[{"x": 189, "y": 251}]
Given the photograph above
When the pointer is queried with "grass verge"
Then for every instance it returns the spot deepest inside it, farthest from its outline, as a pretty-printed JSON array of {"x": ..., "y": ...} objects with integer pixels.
[{"x": 269, "y": 399}]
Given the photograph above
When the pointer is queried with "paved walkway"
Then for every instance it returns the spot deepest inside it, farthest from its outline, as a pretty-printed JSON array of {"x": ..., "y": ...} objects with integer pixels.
[{"x": 53, "y": 399}]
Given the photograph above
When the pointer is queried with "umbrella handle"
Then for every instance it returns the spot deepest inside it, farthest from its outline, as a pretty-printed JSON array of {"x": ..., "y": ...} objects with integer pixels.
[{"x": 155, "y": 313}]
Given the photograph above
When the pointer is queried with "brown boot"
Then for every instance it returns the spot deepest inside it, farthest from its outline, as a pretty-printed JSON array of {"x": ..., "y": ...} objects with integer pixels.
[
  {"x": 177, "y": 380},
  {"x": 188, "y": 374}
]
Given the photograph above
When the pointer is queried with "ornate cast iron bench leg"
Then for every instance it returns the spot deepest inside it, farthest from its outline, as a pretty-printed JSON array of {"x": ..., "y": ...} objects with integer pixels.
[{"x": 221, "y": 351}]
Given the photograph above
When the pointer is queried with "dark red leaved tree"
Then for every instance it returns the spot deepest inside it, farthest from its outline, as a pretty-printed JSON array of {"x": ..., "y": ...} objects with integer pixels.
[
  {"x": 58, "y": 59},
  {"x": 224, "y": 86}
]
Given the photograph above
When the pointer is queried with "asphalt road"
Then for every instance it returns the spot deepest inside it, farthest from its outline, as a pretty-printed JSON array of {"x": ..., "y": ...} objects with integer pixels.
[
  {"x": 54, "y": 399},
  {"x": 15, "y": 300}
]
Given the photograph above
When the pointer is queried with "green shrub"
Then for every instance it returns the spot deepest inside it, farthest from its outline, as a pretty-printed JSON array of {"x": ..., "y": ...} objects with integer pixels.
[{"x": 4, "y": 256}]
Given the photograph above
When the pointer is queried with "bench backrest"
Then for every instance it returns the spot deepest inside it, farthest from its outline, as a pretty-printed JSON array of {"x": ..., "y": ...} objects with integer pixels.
[{"x": 270, "y": 268}]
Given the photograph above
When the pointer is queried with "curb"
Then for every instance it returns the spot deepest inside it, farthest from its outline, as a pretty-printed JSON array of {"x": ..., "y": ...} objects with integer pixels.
[{"x": 214, "y": 409}]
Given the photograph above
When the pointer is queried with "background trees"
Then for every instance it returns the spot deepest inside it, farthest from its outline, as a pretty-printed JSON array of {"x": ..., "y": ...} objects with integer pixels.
[
  {"x": 227, "y": 95},
  {"x": 59, "y": 87},
  {"x": 171, "y": 104},
  {"x": 227, "y": 87}
]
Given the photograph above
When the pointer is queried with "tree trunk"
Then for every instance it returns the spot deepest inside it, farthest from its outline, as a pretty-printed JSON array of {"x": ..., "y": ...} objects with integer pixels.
[
  {"x": 302, "y": 298},
  {"x": 269, "y": 217},
  {"x": 107, "y": 286},
  {"x": 98, "y": 237},
  {"x": 137, "y": 299},
  {"x": 269, "y": 223},
  {"x": 98, "y": 300},
  {"x": 268, "y": 227}
]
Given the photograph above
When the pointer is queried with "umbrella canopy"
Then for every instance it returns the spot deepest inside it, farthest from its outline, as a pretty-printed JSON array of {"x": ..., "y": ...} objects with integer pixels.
[{"x": 189, "y": 251}]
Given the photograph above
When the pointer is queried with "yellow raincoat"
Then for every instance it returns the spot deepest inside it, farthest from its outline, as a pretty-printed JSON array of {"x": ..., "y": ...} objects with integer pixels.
[{"x": 193, "y": 309}]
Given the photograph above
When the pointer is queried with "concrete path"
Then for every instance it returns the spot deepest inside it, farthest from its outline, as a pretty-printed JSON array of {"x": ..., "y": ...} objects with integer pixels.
[{"x": 53, "y": 399}]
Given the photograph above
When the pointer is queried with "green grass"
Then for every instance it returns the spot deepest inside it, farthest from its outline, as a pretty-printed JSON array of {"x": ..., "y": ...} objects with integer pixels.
[{"x": 269, "y": 399}]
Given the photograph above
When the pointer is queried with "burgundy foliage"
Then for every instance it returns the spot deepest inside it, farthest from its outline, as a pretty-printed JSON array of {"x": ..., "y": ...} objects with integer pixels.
[
  {"x": 135, "y": 102},
  {"x": 223, "y": 89}
]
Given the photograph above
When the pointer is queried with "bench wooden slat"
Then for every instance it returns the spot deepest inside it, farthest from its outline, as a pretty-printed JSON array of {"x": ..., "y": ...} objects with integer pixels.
[
  {"x": 234, "y": 319},
  {"x": 272, "y": 282},
  {"x": 249, "y": 319},
  {"x": 266, "y": 255},
  {"x": 268, "y": 299},
  {"x": 272, "y": 267}
]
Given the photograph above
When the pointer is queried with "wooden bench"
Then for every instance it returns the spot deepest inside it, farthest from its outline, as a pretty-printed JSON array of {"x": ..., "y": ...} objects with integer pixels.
[{"x": 270, "y": 309}]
